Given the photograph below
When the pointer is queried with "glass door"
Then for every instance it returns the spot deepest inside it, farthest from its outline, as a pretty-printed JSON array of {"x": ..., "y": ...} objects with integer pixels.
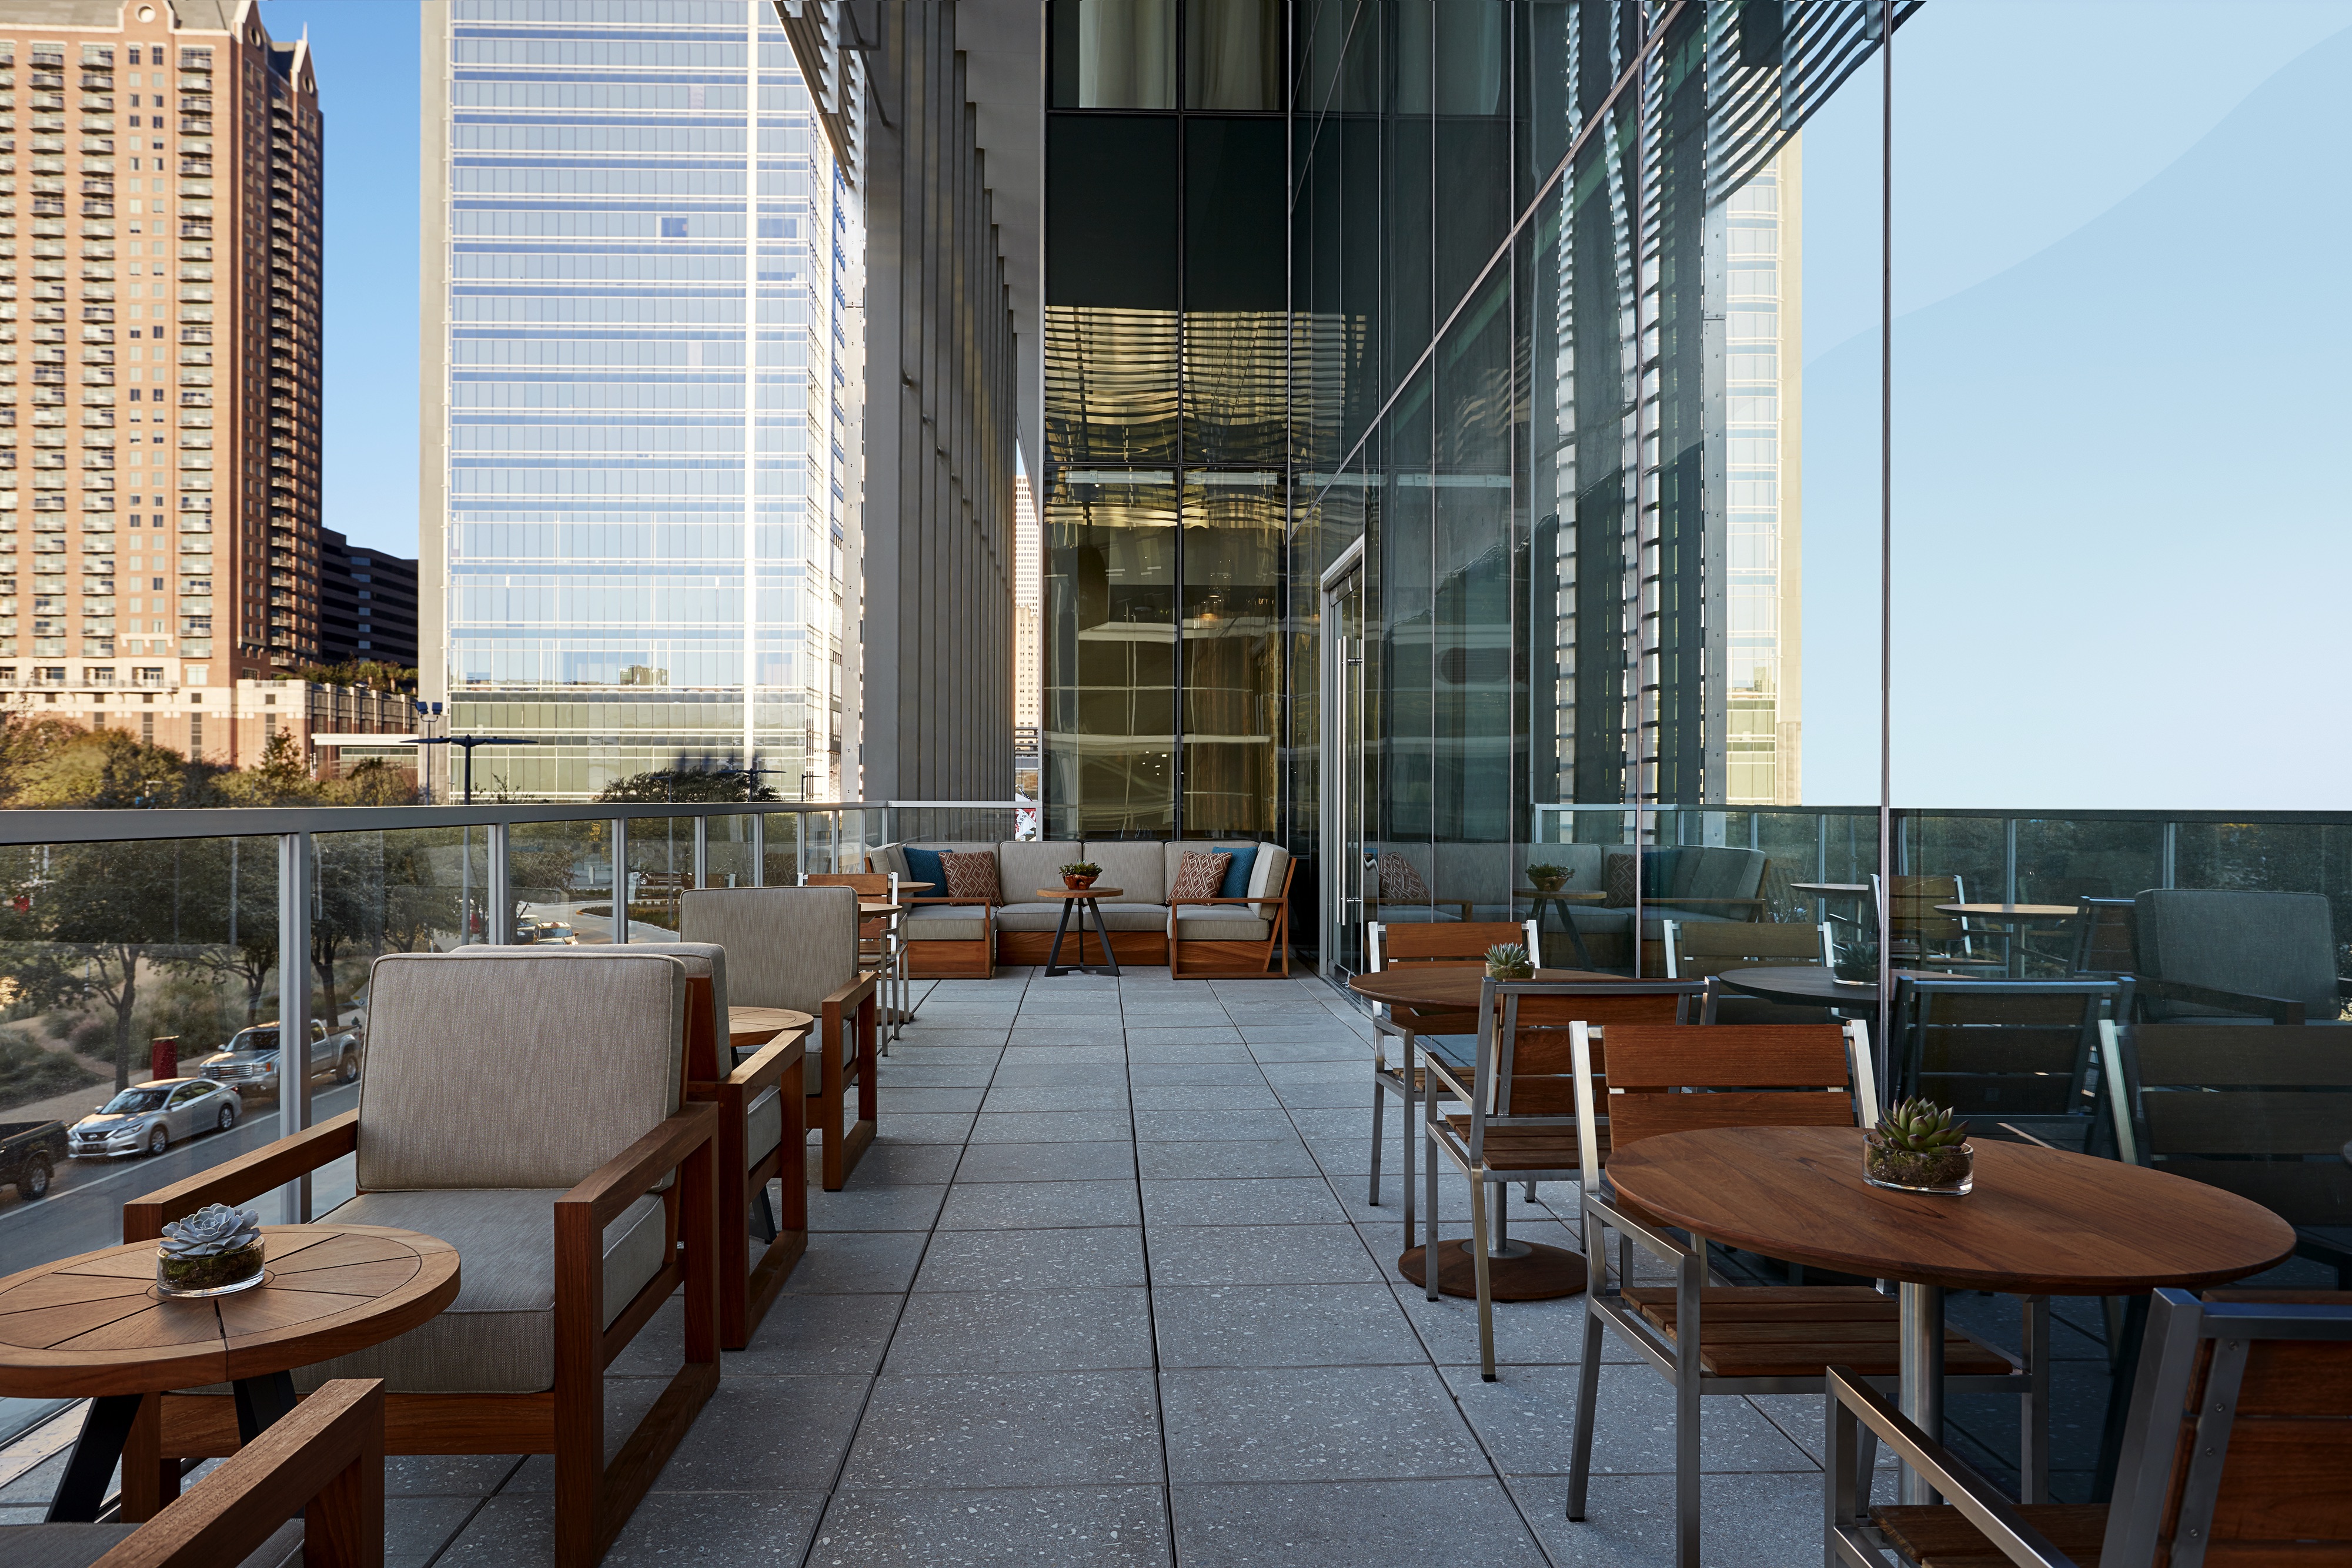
[{"x": 1346, "y": 792}]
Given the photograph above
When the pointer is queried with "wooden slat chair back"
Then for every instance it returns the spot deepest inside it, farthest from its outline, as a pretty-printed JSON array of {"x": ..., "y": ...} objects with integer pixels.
[
  {"x": 1436, "y": 944},
  {"x": 2103, "y": 937},
  {"x": 2237, "y": 1451},
  {"x": 1689, "y": 1078},
  {"x": 2016, "y": 1052},
  {"x": 1699, "y": 949},
  {"x": 2260, "y": 1110},
  {"x": 1912, "y": 917}
]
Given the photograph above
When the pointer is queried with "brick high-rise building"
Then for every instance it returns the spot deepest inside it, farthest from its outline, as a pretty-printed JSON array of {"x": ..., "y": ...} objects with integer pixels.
[{"x": 159, "y": 211}]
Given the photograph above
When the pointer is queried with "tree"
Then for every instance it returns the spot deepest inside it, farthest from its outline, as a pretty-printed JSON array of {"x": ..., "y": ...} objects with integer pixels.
[
  {"x": 280, "y": 778},
  {"x": 375, "y": 782},
  {"x": 683, "y": 786},
  {"x": 103, "y": 903},
  {"x": 374, "y": 674}
]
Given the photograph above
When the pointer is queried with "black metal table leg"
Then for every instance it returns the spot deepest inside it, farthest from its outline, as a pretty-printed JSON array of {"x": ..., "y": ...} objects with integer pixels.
[
  {"x": 1053, "y": 954},
  {"x": 104, "y": 1429},
  {"x": 261, "y": 1402},
  {"x": 1109, "y": 958}
]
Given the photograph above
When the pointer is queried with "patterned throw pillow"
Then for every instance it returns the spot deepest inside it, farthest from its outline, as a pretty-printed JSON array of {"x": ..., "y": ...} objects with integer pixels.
[
  {"x": 970, "y": 876},
  {"x": 1617, "y": 873},
  {"x": 1400, "y": 884},
  {"x": 1199, "y": 875}
]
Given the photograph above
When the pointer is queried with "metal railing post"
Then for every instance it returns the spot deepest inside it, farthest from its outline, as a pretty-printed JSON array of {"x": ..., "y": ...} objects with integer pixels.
[
  {"x": 296, "y": 872},
  {"x": 620, "y": 878},
  {"x": 2008, "y": 865},
  {"x": 500, "y": 931},
  {"x": 2171, "y": 848},
  {"x": 702, "y": 851},
  {"x": 759, "y": 849},
  {"x": 799, "y": 848}
]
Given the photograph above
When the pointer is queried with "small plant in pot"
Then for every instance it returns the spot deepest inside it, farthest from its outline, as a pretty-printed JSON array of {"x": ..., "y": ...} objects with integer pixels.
[
  {"x": 212, "y": 1253},
  {"x": 1546, "y": 878},
  {"x": 1079, "y": 875},
  {"x": 1509, "y": 961},
  {"x": 1917, "y": 1147},
  {"x": 1853, "y": 951}
]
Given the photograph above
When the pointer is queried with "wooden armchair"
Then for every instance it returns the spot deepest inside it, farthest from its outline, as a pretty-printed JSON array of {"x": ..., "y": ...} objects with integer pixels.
[
  {"x": 798, "y": 947},
  {"x": 1234, "y": 938},
  {"x": 2234, "y": 1452},
  {"x": 308, "y": 1491},
  {"x": 527, "y": 1111},
  {"x": 762, "y": 1131},
  {"x": 881, "y": 944}
]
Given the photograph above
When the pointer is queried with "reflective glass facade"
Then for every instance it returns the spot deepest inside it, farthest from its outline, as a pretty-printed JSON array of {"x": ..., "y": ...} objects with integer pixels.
[{"x": 646, "y": 444}]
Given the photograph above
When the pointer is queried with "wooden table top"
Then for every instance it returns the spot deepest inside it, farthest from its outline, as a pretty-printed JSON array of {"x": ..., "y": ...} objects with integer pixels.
[
  {"x": 1448, "y": 985},
  {"x": 2010, "y": 911},
  {"x": 1080, "y": 892},
  {"x": 757, "y": 1026},
  {"x": 2041, "y": 1221},
  {"x": 1813, "y": 984},
  {"x": 873, "y": 909},
  {"x": 1574, "y": 895},
  {"x": 95, "y": 1324}
]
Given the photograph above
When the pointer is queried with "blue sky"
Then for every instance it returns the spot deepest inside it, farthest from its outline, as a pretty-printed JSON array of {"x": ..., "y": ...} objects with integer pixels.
[
  {"x": 366, "y": 53},
  {"x": 2120, "y": 347}
]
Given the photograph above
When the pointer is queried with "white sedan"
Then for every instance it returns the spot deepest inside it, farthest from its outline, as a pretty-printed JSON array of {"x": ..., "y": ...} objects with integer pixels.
[{"x": 146, "y": 1118}]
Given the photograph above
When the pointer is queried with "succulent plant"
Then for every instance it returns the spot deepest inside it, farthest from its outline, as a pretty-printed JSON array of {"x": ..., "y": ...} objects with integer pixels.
[
  {"x": 1082, "y": 868},
  {"x": 210, "y": 1231},
  {"x": 1918, "y": 1127},
  {"x": 1545, "y": 877},
  {"x": 1509, "y": 961}
]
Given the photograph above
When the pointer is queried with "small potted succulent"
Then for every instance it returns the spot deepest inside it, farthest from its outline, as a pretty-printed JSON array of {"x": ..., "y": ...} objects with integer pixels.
[
  {"x": 1546, "y": 878},
  {"x": 1509, "y": 961},
  {"x": 1853, "y": 951},
  {"x": 1917, "y": 1147},
  {"x": 212, "y": 1253},
  {"x": 1079, "y": 875}
]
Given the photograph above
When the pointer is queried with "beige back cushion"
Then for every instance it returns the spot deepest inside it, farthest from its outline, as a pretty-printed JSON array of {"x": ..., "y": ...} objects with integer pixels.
[
  {"x": 786, "y": 947},
  {"x": 1266, "y": 874},
  {"x": 1137, "y": 867},
  {"x": 513, "y": 1071},
  {"x": 701, "y": 958},
  {"x": 1023, "y": 868}
]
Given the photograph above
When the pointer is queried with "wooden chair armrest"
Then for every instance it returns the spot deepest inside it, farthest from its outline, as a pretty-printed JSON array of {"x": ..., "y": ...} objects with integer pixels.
[
  {"x": 1261, "y": 898},
  {"x": 326, "y": 1456},
  {"x": 1852, "y": 1402},
  {"x": 943, "y": 900},
  {"x": 246, "y": 1177},
  {"x": 855, "y": 991},
  {"x": 628, "y": 1175},
  {"x": 766, "y": 1069},
  {"x": 2278, "y": 1009}
]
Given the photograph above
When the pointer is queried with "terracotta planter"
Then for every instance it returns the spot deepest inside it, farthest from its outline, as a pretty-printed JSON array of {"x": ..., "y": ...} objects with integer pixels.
[{"x": 1078, "y": 884}]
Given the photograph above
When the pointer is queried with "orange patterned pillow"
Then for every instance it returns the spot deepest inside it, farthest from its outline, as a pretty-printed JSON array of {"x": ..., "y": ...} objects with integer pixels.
[
  {"x": 1199, "y": 875},
  {"x": 970, "y": 876}
]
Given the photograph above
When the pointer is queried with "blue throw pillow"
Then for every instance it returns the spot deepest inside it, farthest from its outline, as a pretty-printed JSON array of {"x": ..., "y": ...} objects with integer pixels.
[
  {"x": 923, "y": 865},
  {"x": 1237, "y": 875}
]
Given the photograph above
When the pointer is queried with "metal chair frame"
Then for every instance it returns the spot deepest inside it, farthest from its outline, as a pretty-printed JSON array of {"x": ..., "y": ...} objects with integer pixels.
[
  {"x": 1402, "y": 1081},
  {"x": 1677, "y": 1359},
  {"x": 2102, "y": 999}
]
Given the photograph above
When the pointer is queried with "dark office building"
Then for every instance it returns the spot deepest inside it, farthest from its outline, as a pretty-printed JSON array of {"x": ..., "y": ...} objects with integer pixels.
[{"x": 367, "y": 604}]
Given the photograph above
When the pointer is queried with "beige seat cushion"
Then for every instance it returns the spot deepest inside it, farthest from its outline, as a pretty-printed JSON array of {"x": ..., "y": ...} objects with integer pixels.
[
  {"x": 811, "y": 1056},
  {"x": 763, "y": 1126},
  {"x": 1116, "y": 917},
  {"x": 79, "y": 1546},
  {"x": 1137, "y": 867},
  {"x": 964, "y": 923},
  {"x": 499, "y": 1335},
  {"x": 1203, "y": 925}
]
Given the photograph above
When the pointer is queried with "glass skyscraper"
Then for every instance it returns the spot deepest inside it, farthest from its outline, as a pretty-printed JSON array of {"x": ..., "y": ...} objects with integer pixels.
[{"x": 639, "y": 395}]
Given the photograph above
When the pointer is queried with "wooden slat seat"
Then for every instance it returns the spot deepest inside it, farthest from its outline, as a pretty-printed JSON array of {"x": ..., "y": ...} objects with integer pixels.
[
  {"x": 1796, "y": 1331},
  {"x": 1525, "y": 1148},
  {"x": 1936, "y": 1536}
]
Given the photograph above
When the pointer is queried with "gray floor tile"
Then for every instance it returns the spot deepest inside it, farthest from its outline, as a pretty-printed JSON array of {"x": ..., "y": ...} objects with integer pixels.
[
  {"x": 874, "y": 1208},
  {"x": 1161, "y": 1034},
  {"x": 1040, "y": 1205},
  {"x": 766, "y": 1434},
  {"x": 1211, "y": 1126},
  {"x": 1242, "y": 1072},
  {"x": 1283, "y": 1325},
  {"x": 893, "y": 1162},
  {"x": 1260, "y": 1255},
  {"x": 1261, "y": 1157},
  {"x": 1232, "y": 1051},
  {"x": 1062, "y": 1056},
  {"x": 1022, "y": 1097},
  {"x": 1345, "y": 1070},
  {"x": 1453, "y": 1198},
  {"x": 417, "y": 1527},
  {"x": 745, "y": 1528},
  {"x": 1219, "y": 1097},
  {"x": 1060, "y": 1068},
  {"x": 1276, "y": 1045},
  {"x": 1528, "y": 1419},
  {"x": 1061, "y": 1527},
  {"x": 897, "y": 1072},
  {"x": 1340, "y": 1422},
  {"x": 1052, "y": 1127},
  {"x": 1527, "y": 1334},
  {"x": 1744, "y": 1521},
  {"x": 920, "y": 1126},
  {"x": 1269, "y": 1200},
  {"x": 985, "y": 1332},
  {"x": 1327, "y": 1095},
  {"x": 916, "y": 1051},
  {"x": 1032, "y": 1260},
  {"x": 1343, "y": 1525},
  {"x": 811, "y": 1337},
  {"x": 902, "y": 1099},
  {"x": 1048, "y": 1429},
  {"x": 447, "y": 1475},
  {"x": 938, "y": 1032},
  {"x": 1046, "y": 1162},
  {"x": 849, "y": 1262}
]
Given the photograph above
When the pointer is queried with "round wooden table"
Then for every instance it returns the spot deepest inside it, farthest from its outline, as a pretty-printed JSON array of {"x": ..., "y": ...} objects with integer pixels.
[
  {"x": 2041, "y": 1222},
  {"x": 1813, "y": 984},
  {"x": 96, "y": 1326},
  {"x": 758, "y": 1026},
  {"x": 1516, "y": 1271},
  {"x": 1082, "y": 899}
]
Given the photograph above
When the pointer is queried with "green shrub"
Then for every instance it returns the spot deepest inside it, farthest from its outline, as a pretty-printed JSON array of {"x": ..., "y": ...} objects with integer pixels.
[{"x": 30, "y": 1072}]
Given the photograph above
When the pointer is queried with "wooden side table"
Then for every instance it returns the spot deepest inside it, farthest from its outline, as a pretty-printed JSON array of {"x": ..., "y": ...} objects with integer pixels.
[
  {"x": 1084, "y": 900},
  {"x": 752, "y": 1027},
  {"x": 95, "y": 1325}
]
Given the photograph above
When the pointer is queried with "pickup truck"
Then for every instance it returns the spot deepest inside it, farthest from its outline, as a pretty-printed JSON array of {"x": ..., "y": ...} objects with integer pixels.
[
  {"x": 30, "y": 1152},
  {"x": 248, "y": 1063}
]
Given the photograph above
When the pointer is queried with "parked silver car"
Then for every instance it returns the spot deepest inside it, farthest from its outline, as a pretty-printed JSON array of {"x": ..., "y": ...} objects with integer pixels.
[
  {"x": 145, "y": 1118},
  {"x": 248, "y": 1063}
]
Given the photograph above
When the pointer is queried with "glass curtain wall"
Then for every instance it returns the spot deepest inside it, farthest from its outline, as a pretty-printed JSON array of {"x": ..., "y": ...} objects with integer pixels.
[
  {"x": 1165, "y": 495},
  {"x": 647, "y": 459}
]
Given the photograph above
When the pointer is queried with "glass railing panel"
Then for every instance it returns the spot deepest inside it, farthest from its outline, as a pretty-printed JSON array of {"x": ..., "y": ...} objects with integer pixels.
[
  {"x": 659, "y": 867},
  {"x": 558, "y": 873},
  {"x": 785, "y": 847},
  {"x": 727, "y": 851},
  {"x": 2063, "y": 859}
]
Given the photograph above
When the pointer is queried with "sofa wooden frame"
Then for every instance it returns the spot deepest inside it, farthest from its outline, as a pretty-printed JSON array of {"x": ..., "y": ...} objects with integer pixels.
[
  {"x": 1197, "y": 958},
  {"x": 592, "y": 1498}
]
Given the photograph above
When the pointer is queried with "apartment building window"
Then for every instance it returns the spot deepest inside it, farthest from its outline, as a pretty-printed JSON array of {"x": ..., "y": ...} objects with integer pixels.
[
  {"x": 195, "y": 736},
  {"x": 147, "y": 728}
]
